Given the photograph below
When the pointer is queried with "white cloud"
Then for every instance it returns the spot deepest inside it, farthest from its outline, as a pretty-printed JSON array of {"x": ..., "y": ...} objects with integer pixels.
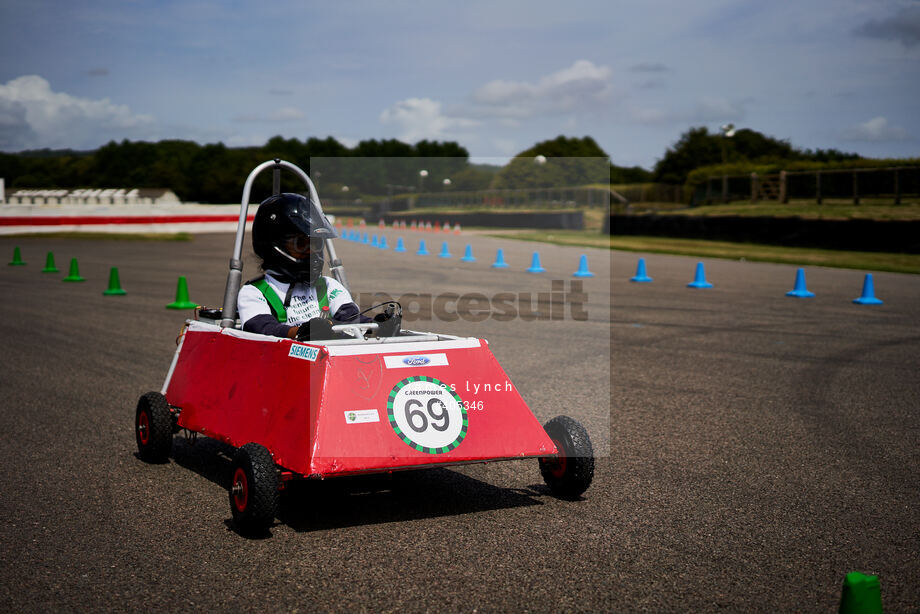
[
  {"x": 284, "y": 114},
  {"x": 876, "y": 130},
  {"x": 33, "y": 116},
  {"x": 581, "y": 85},
  {"x": 422, "y": 118}
]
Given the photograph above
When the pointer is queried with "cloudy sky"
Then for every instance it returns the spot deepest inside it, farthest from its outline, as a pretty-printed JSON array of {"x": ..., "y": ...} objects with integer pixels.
[{"x": 496, "y": 76}]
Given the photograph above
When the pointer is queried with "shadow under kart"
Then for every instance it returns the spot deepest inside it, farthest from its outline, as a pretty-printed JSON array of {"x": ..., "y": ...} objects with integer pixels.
[{"x": 375, "y": 498}]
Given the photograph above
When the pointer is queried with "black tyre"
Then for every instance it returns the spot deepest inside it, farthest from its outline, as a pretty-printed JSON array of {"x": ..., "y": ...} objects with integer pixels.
[
  {"x": 569, "y": 473},
  {"x": 153, "y": 428},
  {"x": 254, "y": 487}
]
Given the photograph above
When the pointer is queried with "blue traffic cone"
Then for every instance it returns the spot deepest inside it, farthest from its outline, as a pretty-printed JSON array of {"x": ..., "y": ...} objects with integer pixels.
[
  {"x": 400, "y": 246},
  {"x": 800, "y": 291},
  {"x": 500, "y": 260},
  {"x": 365, "y": 240},
  {"x": 374, "y": 242},
  {"x": 583, "y": 268},
  {"x": 699, "y": 281},
  {"x": 641, "y": 276},
  {"x": 383, "y": 243},
  {"x": 868, "y": 293},
  {"x": 468, "y": 254},
  {"x": 535, "y": 266},
  {"x": 422, "y": 250},
  {"x": 445, "y": 253}
]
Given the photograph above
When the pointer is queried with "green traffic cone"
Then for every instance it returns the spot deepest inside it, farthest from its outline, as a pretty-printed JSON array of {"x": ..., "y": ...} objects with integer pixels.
[
  {"x": 74, "y": 272},
  {"x": 49, "y": 264},
  {"x": 182, "y": 301},
  {"x": 861, "y": 594},
  {"x": 114, "y": 284},
  {"x": 17, "y": 257}
]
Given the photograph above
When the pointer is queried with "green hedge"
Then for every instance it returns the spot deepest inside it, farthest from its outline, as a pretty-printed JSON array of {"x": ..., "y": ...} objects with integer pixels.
[{"x": 699, "y": 175}]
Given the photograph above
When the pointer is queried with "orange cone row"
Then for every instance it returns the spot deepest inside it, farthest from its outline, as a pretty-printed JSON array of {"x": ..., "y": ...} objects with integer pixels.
[{"x": 423, "y": 226}]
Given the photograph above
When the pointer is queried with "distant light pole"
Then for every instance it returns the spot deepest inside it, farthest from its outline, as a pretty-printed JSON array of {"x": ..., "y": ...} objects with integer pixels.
[
  {"x": 446, "y": 182},
  {"x": 539, "y": 160},
  {"x": 728, "y": 131},
  {"x": 315, "y": 178},
  {"x": 421, "y": 179}
]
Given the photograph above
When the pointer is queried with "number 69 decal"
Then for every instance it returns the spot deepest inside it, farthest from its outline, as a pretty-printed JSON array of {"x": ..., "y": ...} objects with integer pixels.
[{"x": 427, "y": 415}]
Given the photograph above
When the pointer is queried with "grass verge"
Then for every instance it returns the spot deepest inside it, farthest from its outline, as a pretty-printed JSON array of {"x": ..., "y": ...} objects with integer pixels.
[
  {"x": 876, "y": 209},
  {"x": 868, "y": 261}
]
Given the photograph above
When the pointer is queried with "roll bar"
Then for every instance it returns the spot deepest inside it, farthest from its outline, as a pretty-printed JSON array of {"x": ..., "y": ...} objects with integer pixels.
[{"x": 235, "y": 276}]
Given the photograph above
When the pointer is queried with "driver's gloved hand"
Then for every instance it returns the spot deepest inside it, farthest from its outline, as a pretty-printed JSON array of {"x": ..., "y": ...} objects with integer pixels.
[
  {"x": 388, "y": 324},
  {"x": 317, "y": 329}
]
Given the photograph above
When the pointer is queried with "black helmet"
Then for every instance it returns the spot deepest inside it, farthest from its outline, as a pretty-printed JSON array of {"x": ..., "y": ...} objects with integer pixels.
[{"x": 288, "y": 233}]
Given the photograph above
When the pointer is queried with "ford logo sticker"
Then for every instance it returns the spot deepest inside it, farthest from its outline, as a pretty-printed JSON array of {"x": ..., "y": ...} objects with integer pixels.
[{"x": 416, "y": 361}]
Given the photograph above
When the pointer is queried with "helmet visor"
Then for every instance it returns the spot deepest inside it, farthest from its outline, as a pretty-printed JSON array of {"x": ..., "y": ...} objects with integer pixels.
[
  {"x": 308, "y": 220},
  {"x": 300, "y": 246}
]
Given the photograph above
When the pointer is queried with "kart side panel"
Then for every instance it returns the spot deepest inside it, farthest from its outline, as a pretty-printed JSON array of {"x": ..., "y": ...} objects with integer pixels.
[{"x": 241, "y": 390}]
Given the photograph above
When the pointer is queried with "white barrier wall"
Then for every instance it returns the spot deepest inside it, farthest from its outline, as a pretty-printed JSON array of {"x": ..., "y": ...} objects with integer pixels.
[{"x": 108, "y": 196}]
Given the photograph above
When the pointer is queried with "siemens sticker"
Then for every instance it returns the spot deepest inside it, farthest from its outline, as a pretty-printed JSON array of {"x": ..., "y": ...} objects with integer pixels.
[
  {"x": 304, "y": 352},
  {"x": 415, "y": 360}
]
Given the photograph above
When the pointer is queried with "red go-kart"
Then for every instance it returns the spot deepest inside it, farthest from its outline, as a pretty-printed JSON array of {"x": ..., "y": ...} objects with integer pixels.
[{"x": 355, "y": 405}]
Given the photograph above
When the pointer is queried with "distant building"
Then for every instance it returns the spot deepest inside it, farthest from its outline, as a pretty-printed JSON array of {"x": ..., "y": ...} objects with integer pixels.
[{"x": 96, "y": 196}]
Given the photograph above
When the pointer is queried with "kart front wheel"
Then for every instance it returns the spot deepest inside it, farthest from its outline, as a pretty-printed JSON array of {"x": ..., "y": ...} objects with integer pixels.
[
  {"x": 254, "y": 487},
  {"x": 153, "y": 428},
  {"x": 569, "y": 473}
]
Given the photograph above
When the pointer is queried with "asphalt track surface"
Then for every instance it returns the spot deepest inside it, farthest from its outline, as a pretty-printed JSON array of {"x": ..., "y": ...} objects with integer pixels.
[{"x": 754, "y": 448}]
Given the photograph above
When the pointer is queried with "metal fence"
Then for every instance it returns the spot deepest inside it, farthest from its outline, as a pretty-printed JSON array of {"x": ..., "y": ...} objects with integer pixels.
[
  {"x": 851, "y": 185},
  {"x": 651, "y": 193}
]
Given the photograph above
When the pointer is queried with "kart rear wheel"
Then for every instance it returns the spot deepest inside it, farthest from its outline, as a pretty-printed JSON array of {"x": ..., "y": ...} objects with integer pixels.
[
  {"x": 254, "y": 485},
  {"x": 569, "y": 473},
  {"x": 153, "y": 428}
]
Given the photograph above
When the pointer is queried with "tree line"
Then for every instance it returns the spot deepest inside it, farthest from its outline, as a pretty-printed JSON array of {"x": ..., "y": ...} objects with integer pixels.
[{"x": 214, "y": 173}]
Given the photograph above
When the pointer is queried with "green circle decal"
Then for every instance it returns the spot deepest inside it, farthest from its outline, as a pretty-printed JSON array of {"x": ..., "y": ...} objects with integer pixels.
[{"x": 427, "y": 415}]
